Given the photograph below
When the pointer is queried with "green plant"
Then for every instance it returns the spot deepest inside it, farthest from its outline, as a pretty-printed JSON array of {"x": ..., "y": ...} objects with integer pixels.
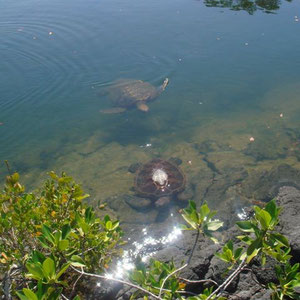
[
  {"x": 261, "y": 235},
  {"x": 289, "y": 279},
  {"x": 47, "y": 232},
  {"x": 201, "y": 220}
]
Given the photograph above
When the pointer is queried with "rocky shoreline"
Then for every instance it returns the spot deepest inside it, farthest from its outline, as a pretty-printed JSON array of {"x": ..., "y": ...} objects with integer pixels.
[{"x": 204, "y": 265}]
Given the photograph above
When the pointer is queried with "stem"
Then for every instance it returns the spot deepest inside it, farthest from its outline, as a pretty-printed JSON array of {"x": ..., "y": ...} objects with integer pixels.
[
  {"x": 117, "y": 280},
  {"x": 7, "y": 166},
  {"x": 184, "y": 266},
  {"x": 198, "y": 281},
  {"x": 225, "y": 284},
  {"x": 164, "y": 281}
]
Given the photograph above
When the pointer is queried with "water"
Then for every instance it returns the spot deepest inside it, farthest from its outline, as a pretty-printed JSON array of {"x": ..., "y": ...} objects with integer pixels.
[{"x": 232, "y": 102}]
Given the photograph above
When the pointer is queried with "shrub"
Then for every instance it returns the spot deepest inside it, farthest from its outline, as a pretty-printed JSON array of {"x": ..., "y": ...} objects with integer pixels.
[{"x": 44, "y": 234}]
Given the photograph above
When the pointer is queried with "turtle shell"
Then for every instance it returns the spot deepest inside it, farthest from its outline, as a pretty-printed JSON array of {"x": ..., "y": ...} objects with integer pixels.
[
  {"x": 145, "y": 185},
  {"x": 127, "y": 92}
]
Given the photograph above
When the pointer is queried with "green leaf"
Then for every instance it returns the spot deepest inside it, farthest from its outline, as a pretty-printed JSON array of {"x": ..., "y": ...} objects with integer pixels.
[
  {"x": 254, "y": 249},
  {"x": 38, "y": 257},
  {"x": 35, "y": 270},
  {"x": 214, "y": 225},
  {"x": 63, "y": 245},
  {"x": 47, "y": 234},
  {"x": 190, "y": 220},
  {"x": 245, "y": 238},
  {"x": 280, "y": 238},
  {"x": 57, "y": 237},
  {"x": 137, "y": 276},
  {"x": 237, "y": 253},
  {"x": 30, "y": 294},
  {"x": 264, "y": 219},
  {"x": 108, "y": 225},
  {"x": 15, "y": 177},
  {"x": 229, "y": 245},
  {"x": 43, "y": 242},
  {"x": 21, "y": 296},
  {"x": 115, "y": 225},
  {"x": 184, "y": 227},
  {"x": 204, "y": 210},
  {"x": 55, "y": 294},
  {"x": 77, "y": 261},
  {"x": 192, "y": 205},
  {"x": 53, "y": 175},
  {"x": 63, "y": 269},
  {"x": 49, "y": 268},
  {"x": 245, "y": 226},
  {"x": 272, "y": 209}
]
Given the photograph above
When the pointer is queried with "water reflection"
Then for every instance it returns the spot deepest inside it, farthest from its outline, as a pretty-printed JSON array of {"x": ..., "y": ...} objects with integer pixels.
[
  {"x": 251, "y": 6},
  {"x": 144, "y": 248}
]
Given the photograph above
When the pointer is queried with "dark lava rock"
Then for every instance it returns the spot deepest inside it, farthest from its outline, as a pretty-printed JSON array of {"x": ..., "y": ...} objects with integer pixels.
[
  {"x": 289, "y": 199},
  {"x": 205, "y": 265}
]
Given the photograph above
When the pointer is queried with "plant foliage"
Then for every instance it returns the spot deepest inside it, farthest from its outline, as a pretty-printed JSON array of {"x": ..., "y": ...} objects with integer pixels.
[{"x": 43, "y": 234}]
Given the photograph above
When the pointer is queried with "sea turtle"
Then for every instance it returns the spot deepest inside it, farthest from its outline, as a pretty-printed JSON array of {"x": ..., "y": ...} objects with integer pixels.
[
  {"x": 158, "y": 180},
  {"x": 130, "y": 93}
]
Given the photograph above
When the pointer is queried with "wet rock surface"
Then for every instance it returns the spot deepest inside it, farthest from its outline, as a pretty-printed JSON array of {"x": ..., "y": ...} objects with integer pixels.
[{"x": 204, "y": 265}]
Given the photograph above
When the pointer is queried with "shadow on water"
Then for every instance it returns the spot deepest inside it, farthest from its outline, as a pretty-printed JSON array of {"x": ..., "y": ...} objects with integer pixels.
[{"x": 250, "y": 6}]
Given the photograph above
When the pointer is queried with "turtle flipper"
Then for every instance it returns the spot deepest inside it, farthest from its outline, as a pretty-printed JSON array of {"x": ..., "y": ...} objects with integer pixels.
[
  {"x": 141, "y": 105},
  {"x": 114, "y": 110}
]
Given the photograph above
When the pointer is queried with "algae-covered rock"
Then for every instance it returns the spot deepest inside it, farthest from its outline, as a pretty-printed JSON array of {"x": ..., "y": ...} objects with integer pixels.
[
  {"x": 127, "y": 214},
  {"x": 264, "y": 185},
  {"x": 269, "y": 145}
]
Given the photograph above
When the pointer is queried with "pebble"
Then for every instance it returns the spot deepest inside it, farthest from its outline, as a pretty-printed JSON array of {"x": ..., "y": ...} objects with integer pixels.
[{"x": 252, "y": 139}]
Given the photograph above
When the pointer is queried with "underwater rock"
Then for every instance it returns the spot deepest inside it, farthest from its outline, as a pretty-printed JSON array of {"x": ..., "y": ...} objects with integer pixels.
[
  {"x": 264, "y": 185},
  {"x": 134, "y": 167},
  {"x": 129, "y": 215},
  {"x": 268, "y": 146}
]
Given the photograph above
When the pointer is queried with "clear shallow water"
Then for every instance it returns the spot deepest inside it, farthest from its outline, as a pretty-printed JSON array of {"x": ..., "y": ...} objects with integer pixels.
[{"x": 232, "y": 74}]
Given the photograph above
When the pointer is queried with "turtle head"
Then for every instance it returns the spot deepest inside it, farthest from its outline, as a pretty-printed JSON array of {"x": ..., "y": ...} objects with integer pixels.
[
  {"x": 165, "y": 83},
  {"x": 163, "y": 86},
  {"x": 160, "y": 178}
]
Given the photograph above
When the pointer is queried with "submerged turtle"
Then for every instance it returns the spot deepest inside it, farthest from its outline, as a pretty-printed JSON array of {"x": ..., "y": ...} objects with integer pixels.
[
  {"x": 158, "y": 180},
  {"x": 129, "y": 93}
]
